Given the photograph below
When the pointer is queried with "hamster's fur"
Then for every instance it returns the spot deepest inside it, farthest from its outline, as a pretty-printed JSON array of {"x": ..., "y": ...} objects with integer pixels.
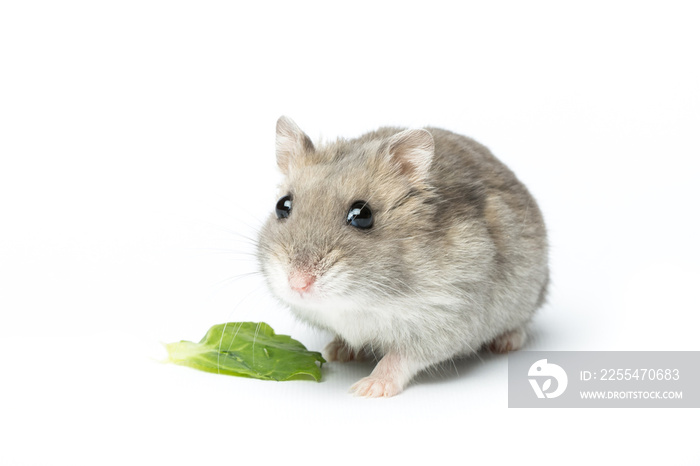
[{"x": 456, "y": 257}]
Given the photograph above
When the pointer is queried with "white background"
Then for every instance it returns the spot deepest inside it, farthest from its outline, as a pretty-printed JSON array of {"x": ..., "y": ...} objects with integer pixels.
[{"x": 137, "y": 159}]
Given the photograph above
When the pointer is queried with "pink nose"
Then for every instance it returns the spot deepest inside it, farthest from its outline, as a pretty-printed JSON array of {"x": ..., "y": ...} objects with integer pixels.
[{"x": 301, "y": 281}]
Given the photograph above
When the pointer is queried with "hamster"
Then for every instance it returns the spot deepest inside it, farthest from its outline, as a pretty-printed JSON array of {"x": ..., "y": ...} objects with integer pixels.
[{"x": 414, "y": 246}]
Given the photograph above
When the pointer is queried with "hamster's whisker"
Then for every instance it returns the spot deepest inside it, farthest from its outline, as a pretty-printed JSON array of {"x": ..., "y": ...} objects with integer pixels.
[
  {"x": 235, "y": 278},
  {"x": 452, "y": 360},
  {"x": 239, "y": 218},
  {"x": 221, "y": 339},
  {"x": 228, "y": 318},
  {"x": 226, "y": 251},
  {"x": 475, "y": 352},
  {"x": 255, "y": 337},
  {"x": 227, "y": 230}
]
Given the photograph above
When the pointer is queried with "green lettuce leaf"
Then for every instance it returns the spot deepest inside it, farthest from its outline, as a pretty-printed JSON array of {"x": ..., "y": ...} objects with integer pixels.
[{"x": 248, "y": 349}]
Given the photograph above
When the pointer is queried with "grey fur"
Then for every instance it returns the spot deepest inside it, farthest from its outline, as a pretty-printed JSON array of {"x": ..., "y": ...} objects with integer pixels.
[{"x": 457, "y": 256}]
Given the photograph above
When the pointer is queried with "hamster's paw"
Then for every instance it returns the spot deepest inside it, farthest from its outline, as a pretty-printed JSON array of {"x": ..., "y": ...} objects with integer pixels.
[
  {"x": 512, "y": 340},
  {"x": 338, "y": 350},
  {"x": 375, "y": 387}
]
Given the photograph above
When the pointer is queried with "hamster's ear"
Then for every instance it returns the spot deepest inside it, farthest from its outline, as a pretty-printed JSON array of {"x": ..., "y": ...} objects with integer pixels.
[
  {"x": 292, "y": 143},
  {"x": 412, "y": 150}
]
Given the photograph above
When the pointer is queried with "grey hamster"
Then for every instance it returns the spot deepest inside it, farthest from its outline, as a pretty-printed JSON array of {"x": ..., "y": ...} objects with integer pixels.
[{"x": 416, "y": 246}]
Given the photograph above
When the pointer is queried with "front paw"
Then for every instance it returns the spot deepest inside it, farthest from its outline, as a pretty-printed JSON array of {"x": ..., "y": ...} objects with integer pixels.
[
  {"x": 338, "y": 350},
  {"x": 375, "y": 387}
]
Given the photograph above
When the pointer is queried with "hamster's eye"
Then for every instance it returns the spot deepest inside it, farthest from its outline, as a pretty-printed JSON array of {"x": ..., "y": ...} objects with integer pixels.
[
  {"x": 284, "y": 207},
  {"x": 360, "y": 215}
]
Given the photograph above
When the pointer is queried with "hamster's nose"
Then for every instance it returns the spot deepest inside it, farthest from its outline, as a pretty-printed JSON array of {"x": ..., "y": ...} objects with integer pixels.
[{"x": 301, "y": 281}]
